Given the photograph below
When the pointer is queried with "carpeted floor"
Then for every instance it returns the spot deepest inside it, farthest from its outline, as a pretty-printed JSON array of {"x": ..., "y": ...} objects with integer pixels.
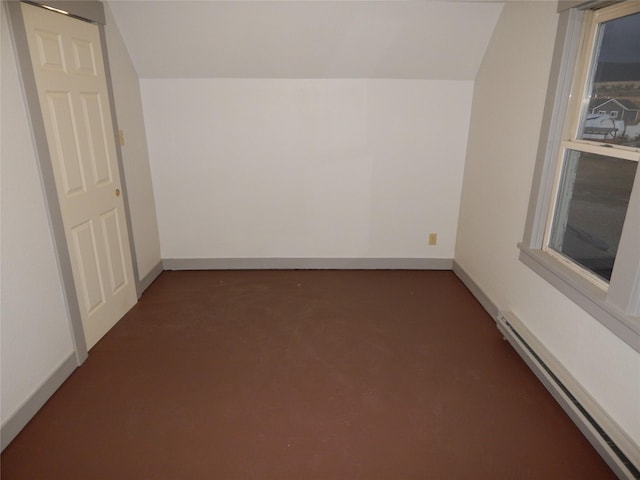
[{"x": 303, "y": 375}]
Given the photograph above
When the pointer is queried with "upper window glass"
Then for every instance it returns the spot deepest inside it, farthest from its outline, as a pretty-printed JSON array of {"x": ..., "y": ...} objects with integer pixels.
[{"x": 612, "y": 95}]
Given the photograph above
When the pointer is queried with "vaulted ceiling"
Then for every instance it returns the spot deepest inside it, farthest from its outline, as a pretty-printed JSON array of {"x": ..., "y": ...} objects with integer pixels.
[{"x": 307, "y": 39}]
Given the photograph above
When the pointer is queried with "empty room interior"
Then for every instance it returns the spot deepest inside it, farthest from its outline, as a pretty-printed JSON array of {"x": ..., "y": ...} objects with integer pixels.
[{"x": 320, "y": 239}]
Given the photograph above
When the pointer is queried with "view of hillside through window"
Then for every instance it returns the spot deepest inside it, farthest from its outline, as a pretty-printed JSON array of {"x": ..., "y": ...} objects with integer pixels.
[
  {"x": 613, "y": 112},
  {"x": 594, "y": 189}
]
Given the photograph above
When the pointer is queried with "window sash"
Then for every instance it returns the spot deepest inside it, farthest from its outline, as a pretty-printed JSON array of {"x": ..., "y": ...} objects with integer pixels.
[
  {"x": 577, "y": 110},
  {"x": 557, "y": 205}
]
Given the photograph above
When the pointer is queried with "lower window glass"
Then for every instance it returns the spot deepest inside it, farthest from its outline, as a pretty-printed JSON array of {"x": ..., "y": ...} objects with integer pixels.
[{"x": 590, "y": 210}]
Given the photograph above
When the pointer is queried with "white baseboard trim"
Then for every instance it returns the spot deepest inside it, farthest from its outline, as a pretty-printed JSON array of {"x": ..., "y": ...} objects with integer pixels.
[
  {"x": 606, "y": 436},
  {"x": 475, "y": 290},
  {"x": 150, "y": 277},
  {"x": 16, "y": 422},
  {"x": 577, "y": 403},
  {"x": 307, "y": 263}
]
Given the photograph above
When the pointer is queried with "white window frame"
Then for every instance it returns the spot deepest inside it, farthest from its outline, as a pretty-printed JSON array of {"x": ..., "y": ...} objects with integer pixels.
[{"x": 616, "y": 304}]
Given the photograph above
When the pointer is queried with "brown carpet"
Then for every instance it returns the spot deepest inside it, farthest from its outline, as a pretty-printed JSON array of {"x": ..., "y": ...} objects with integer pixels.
[{"x": 303, "y": 375}]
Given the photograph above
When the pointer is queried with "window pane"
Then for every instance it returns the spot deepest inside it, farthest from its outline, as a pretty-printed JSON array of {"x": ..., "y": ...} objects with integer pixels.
[
  {"x": 592, "y": 204},
  {"x": 613, "y": 112}
]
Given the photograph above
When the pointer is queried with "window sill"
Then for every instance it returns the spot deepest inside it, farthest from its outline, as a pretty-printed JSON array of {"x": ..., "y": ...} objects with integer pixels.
[{"x": 586, "y": 295}]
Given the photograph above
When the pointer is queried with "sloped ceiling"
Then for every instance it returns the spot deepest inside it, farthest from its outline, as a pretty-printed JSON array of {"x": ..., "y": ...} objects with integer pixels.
[{"x": 306, "y": 39}]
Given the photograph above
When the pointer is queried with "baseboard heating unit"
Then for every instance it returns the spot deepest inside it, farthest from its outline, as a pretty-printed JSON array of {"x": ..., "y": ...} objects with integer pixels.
[{"x": 620, "y": 452}]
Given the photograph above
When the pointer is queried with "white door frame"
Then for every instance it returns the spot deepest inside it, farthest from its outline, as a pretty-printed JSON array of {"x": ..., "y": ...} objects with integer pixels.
[{"x": 91, "y": 10}]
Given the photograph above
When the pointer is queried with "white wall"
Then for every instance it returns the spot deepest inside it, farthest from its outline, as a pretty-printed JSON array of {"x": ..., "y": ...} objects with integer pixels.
[
  {"x": 135, "y": 156},
  {"x": 306, "y": 168},
  {"x": 35, "y": 334},
  {"x": 506, "y": 118}
]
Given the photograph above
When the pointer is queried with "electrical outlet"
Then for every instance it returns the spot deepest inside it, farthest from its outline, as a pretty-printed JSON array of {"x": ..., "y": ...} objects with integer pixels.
[{"x": 433, "y": 238}]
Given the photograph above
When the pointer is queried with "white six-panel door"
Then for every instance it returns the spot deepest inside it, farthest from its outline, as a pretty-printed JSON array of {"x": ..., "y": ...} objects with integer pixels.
[{"x": 70, "y": 78}]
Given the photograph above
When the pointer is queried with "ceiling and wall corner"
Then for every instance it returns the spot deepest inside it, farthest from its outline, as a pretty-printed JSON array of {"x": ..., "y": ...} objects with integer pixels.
[
  {"x": 436, "y": 40},
  {"x": 324, "y": 128}
]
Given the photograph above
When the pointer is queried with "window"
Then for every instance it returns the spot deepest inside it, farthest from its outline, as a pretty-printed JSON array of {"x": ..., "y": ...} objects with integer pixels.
[
  {"x": 583, "y": 227},
  {"x": 596, "y": 170}
]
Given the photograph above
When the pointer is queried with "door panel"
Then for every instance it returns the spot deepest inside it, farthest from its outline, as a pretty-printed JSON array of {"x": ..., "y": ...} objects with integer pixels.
[
  {"x": 63, "y": 132},
  {"x": 113, "y": 245},
  {"x": 86, "y": 253},
  {"x": 50, "y": 51},
  {"x": 85, "y": 60},
  {"x": 69, "y": 71},
  {"x": 98, "y": 151}
]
